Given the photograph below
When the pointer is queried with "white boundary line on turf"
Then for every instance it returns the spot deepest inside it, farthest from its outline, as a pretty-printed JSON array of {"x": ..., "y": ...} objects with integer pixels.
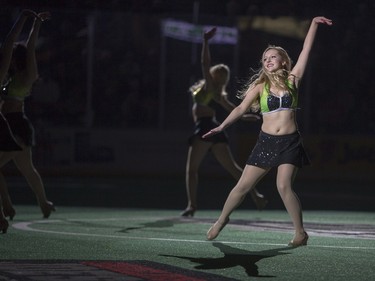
[
  {"x": 26, "y": 226},
  {"x": 259, "y": 226}
]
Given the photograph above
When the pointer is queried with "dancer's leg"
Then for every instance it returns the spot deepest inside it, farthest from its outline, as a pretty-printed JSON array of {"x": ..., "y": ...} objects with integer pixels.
[
  {"x": 285, "y": 176},
  {"x": 225, "y": 157},
  {"x": 250, "y": 177},
  {"x": 197, "y": 151}
]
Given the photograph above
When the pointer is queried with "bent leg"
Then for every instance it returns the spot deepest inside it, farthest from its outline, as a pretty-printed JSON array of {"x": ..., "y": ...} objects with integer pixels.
[
  {"x": 6, "y": 208},
  {"x": 24, "y": 163},
  {"x": 3, "y": 222},
  {"x": 250, "y": 177},
  {"x": 7, "y": 205},
  {"x": 197, "y": 152},
  {"x": 224, "y": 156}
]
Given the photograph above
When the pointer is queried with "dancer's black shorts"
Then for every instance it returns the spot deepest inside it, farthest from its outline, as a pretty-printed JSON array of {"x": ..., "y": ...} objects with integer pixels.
[
  {"x": 21, "y": 127},
  {"x": 203, "y": 126},
  {"x": 7, "y": 139},
  {"x": 272, "y": 151}
]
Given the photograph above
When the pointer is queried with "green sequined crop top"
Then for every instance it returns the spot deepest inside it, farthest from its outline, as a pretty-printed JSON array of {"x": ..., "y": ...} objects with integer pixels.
[
  {"x": 269, "y": 102},
  {"x": 202, "y": 97}
]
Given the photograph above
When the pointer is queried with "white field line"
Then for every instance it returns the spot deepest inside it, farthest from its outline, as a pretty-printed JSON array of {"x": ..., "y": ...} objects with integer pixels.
[{"x": 27, "y": 226}]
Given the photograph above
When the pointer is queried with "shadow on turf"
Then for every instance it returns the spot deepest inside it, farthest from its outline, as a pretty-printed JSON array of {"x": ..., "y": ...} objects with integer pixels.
[
  {"x": 157, "y": 224},
  {"x": 235, "y": 257}
]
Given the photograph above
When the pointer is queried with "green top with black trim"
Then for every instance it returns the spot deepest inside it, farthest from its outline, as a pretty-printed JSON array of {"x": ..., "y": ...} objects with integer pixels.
[{"x": 269, "y": 102}]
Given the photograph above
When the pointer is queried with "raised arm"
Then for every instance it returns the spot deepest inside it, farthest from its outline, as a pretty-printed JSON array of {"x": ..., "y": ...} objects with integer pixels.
[
  {"x": 31, "y": 65},
  {"x": 300, "y": 66},
  {"x": 7, "y": 46},
  {"x": 206, "y": 56}
]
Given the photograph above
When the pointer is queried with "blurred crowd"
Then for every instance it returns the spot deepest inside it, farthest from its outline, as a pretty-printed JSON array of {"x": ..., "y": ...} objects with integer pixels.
[{"x": 99, "y": 63}]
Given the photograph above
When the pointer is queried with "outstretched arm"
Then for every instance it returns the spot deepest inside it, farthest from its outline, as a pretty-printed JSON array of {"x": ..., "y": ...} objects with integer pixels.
[
  {"x": 229, "y": 106},
  {"x": 238, "y": 112},
  {"x": 206, "y": 56},
  {"x": 301, "y": 63},
  {"x": 7, "y": 46},
  {"x": 31, "y": 65}
]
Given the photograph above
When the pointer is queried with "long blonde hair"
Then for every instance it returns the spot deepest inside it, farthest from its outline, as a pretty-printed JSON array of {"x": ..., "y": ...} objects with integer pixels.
[
  {"x": 213, "y": 69},
  {"x": 277, "y": 78}
]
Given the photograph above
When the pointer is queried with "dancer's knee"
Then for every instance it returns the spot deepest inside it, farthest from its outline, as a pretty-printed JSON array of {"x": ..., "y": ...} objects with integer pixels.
[{"x": 284, "y": 189}]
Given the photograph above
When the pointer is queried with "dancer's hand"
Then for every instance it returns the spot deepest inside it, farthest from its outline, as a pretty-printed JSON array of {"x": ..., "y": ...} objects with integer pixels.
[
  {"x": 209, "y": 34},
  {"x": 322, "y": 20},
  {"x": 212, "y": 132},
  {"x": 44, "y": 16}
]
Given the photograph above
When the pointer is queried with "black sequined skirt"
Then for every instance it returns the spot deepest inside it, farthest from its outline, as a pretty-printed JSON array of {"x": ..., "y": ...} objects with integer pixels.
[
  {"x": 203, "y": 126},
  {"x": 272, "y": 151}
]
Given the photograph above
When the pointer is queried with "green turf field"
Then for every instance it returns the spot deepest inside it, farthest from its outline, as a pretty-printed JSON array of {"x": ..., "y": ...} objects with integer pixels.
[{"x": 154, "y": 244}]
